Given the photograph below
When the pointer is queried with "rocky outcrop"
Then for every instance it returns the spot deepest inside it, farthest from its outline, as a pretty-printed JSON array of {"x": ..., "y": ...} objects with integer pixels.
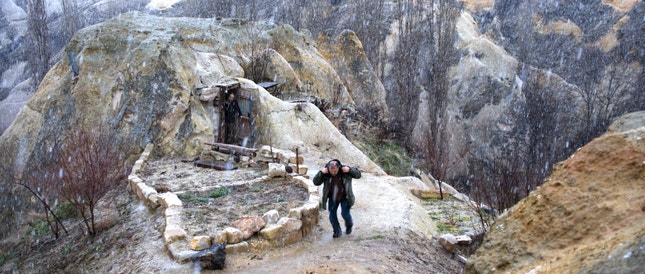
[
  {"x": 148, "y": 74},
  {"x": 348, "y": 58},
  {"x": 589, "y": 215},
  {"x": 139, "y": 76},
  {"x": 480, "y": 130}
]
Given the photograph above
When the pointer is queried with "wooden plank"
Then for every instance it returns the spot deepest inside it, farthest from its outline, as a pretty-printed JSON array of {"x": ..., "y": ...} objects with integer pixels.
[
  {"x": 244, "y": 150},
  {"x": 215, "y": 165}
]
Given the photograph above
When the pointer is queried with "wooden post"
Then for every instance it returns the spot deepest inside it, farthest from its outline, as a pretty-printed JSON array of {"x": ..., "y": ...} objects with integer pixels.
[{"x": 297, "y": 164}]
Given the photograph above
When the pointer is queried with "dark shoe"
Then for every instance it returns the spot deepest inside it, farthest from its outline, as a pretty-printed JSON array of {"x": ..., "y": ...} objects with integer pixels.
[
  {"x": 349, "y": 230},
  {"x": 336, "y": 235}
]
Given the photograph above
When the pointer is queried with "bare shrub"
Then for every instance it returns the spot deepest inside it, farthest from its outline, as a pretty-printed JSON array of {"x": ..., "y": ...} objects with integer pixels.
[
  {"x": 41, "y": 182},
  {"x": 257, "y": 66},
  {"x": 91, "y": 163}
]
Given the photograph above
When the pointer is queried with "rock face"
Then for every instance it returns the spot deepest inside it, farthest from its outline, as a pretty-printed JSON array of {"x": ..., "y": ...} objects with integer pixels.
[
  {"x": 494, "y": 126},
  {"x": 589, "y": 216},
  {"x": 347, "y": 56},
  {"x": 505, "y": 48},
  {"x": 139, "y": 75}
]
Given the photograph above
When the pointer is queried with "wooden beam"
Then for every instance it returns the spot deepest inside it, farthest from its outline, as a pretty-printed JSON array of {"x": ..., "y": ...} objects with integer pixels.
[
  {"x": 214, "y": 165},
  {"x": 239, "y": 149}
]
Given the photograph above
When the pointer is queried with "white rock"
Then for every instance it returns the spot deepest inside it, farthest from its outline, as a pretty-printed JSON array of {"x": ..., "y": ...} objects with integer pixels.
[
  {"x": 169, "y": 200},
  {"x": 277, "y": 170},
  {"x": 271, "y": 216}
]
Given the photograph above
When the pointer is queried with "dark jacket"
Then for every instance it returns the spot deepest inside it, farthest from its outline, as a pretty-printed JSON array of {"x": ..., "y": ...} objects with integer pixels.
[
  {"x": 231, "y": 111},
  {"x": 321, "y": 178}
]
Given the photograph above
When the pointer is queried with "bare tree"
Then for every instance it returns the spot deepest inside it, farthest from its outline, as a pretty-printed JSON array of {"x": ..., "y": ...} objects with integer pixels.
[
  {"x": 619, "y": 94},
  {"x": 72, "y": 18},
  {"x": 404, "y": 93},
  {"x": 442, "y": 54},
  {"x": 38, "y": 43}
]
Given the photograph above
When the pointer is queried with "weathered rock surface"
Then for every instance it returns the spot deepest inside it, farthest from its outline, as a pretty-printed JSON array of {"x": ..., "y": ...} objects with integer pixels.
[
  {"x": 249, "y": 225},
  {"x": 200, "y": 242},
  {"x": 488, "y": 128},
  {"x": 347, "y": 56},
  {"x": 589, "y": 215},
  {"x": 138, "y": 75}
]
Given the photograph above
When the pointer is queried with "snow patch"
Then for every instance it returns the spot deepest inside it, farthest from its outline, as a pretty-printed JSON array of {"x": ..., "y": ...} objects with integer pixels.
[
  {"x": 11, "y": 76},
  {"x": 12, "y": 12},
  {"x": 53, "y": 7},
  {"x": 161, "y": 4},
  {"x": 627, "y": 256}
]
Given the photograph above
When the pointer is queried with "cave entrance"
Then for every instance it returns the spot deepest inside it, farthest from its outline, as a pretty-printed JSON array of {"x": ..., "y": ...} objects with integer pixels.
[{"x": 234, "y": 105}]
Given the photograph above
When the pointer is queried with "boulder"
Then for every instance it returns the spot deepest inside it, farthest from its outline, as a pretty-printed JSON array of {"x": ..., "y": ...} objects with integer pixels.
[
  {"x": 200, "y": 243},
  {"x": 448, "y": 241},
  {"x": 277, "y": 170},
  {"x": 463, "y": 239},
  {"x": 272, "y": 231},
  {"x": 271, "y": 216},
  {"x": 586, "y": 217},
  {"x": 174, "y": 233},
  {"x": 290, "y": 224},
  {"x": 301, "y": 169},
  {"x": 249, "y": 225},
  {"x": 237, "y": 248},
  {"x": 233, "y": 235}
]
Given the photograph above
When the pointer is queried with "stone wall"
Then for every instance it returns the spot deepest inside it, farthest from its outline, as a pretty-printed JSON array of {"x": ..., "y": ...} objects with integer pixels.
[{"x": 245, "y": 234}]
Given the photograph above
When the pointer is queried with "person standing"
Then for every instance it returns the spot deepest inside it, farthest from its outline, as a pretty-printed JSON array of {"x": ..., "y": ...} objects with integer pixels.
[
  {"x": 337, "y": 192},
  {"x": 231, "y": 112}
]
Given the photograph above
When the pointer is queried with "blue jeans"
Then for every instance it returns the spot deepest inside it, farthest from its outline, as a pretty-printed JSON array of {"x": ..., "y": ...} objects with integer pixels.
[{"x": 332, "y": 206}]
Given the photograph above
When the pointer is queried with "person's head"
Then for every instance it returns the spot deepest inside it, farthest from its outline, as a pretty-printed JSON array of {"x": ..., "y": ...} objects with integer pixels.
[
  {"x": 231, "y": 96},
  {"x": 334, "y": 167}
]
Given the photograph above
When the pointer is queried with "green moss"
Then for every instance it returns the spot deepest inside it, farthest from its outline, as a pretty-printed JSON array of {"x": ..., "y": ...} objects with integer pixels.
[
  {"x": 392, "y": 158},
  {"x": 39, "y": 228},
  {"x": 219, "y": 192},
  {"x": 5, "y": 256},
  {"x": 184, "y": 196},
  {"x": 446, "y": 227},
  {"x": 375, "y": 237},
  {"x": 199, "y": 200},
  {"x": 189, "y": 198},
  {"x": 66, "y": 211},
  {"x": 67, "y": 250}
]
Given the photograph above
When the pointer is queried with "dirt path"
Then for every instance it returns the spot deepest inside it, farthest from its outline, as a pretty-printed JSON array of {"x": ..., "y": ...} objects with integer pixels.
[{"x": 392, "y": 233}]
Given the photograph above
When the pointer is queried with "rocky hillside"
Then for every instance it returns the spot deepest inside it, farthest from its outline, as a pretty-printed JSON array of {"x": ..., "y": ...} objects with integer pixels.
[
  {"x": 588, "y": 217},
  {"x": 523, "y": 74},
  {"x": 146, "y": 78}
]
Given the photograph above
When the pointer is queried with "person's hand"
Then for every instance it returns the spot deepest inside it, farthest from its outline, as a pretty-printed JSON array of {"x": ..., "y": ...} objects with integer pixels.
[
  {"x": 244, "y": 117},
  {"x": 325, "y": 171},
  {"x": 345, "y": 169}
]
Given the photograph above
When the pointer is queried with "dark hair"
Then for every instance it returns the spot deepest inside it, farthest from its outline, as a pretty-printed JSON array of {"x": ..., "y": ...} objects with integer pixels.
[{"x": 334, "y": 160}]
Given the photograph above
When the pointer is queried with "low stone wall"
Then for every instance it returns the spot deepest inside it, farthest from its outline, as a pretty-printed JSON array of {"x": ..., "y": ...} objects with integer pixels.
[{"x": 275, "y": 231}]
